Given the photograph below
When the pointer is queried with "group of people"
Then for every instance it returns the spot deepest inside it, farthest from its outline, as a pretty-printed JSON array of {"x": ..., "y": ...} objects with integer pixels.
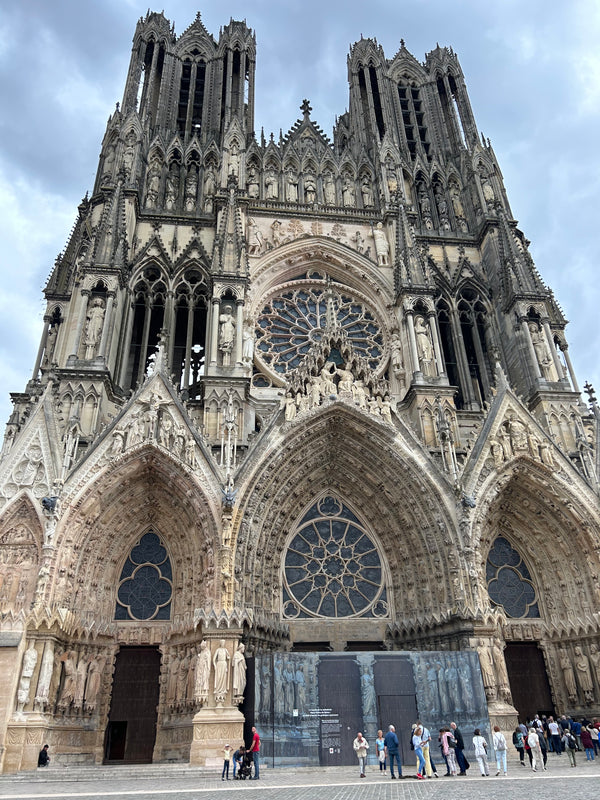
[
  {"x": 451, "y": 744},
  {"x": 244, "y": 759},
  {"x": 561, "y": 735}
]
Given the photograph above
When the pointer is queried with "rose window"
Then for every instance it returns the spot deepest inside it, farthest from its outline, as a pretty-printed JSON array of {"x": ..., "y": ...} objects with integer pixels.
[
  {"x": 332, "y": 567},
  {"x": 509, "y": 582},
  {"x": 291, "y": 322},
  {"x": 145, "y": 588}
]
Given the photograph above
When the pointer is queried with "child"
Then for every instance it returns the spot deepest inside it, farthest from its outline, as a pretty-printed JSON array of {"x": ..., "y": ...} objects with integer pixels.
[
  {"x": 226, "y": 760},
  {"x": 480, "y": 745}
]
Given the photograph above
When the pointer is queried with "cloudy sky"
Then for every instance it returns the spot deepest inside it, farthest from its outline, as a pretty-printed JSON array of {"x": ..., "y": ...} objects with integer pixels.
[{"x": 533, "y": 74}]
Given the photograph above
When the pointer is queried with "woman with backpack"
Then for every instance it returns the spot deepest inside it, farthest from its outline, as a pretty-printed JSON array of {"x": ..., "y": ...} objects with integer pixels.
[
  {"x": 499, "y": 742},
  {"x": 448, "y": 745},
  {"x": 517, "y": 739}
]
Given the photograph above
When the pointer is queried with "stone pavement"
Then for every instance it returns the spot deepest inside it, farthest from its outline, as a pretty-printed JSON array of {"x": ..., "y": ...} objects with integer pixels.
[{"x": 177, "y": 782}]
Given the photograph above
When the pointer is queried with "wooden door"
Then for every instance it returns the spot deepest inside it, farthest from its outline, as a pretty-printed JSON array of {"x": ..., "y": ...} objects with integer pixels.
[
  {"x": 528, "y": 680},
  {"x": 131, "y": 730}
]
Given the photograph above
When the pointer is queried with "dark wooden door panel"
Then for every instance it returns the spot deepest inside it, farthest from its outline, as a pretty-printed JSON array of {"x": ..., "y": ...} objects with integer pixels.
[
  {"x": 528, "y": 680},
  {"x": 133, "y": 713}
]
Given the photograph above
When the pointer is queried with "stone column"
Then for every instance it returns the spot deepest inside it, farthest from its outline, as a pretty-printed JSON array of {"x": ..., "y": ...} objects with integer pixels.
[
  {"x": 432, "y": 317},
  {"x": 462, "y": 362},
  {"x": 126, "y": 344},
  {"x": 188, "y": 343},
  {"x": 107, "y": 325},
  {"x": 412, "y": 340},
  {"x": 41, "y": 348},
  {"x": 239, "y": 330},
  {"x": 144, "y": 346},
  {"x": 214, "y": 330},
  {"x": 565, "y": 351},
  {"x": 217, "y": 723},
  {"x": 80, "y": 320},
  {"x": 552, "y": 346}
]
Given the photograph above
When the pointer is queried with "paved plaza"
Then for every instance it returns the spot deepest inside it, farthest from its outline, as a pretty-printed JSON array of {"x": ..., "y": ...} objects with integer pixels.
[{"x": 333, "y": 783}]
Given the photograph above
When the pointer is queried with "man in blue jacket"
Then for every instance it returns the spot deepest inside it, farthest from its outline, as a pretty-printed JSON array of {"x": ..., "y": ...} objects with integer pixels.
[{"x": 392, "y": 751}]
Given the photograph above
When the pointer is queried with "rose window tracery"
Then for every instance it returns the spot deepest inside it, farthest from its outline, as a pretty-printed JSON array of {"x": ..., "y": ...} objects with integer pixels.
[
  {"x": 145, "y": 587},
  {"x": 291, "y": 322},
  {"x": 332, "y": 567},
  {"x": 509, "y": 581}
]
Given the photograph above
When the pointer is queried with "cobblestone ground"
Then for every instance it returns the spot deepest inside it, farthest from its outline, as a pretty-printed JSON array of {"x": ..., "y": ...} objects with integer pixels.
[{"x": 304, "y": 784}]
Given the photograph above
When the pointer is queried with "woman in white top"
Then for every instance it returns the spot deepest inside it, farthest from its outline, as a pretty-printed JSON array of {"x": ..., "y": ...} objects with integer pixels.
[
  {"x": 480, "y": 746},
  {"x": 536, "y": 753},
  {"x": 499, "y": 742}
]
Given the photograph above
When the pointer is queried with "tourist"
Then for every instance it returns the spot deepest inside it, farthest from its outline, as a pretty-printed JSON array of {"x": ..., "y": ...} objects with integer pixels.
[
  {"x": 448, "y": 744},
  {"x": 255, "y": 750},
  {"x": 569, "y": 743},
  {"x": 238, "y": 759},
  {"x": 535, "y": 751},
  {"x": 416, "y": 740},
  {"x": 499, "y": 742},
  {"x": 555, "y": 732},
  {"x": 517, "y": 740},
  {"x": 226, "y": 760},
  {"x": 480, "y": 746},
  {"x": 380, "y": 746},
  {"x": 587, "y": 743},
  {"x": 392, "y": 751},
  {"x": 361, "y": 746},
  {"x": 461, "y": 759},
  {"x": 43, "y": 757},
  {"x": 425, "y": 742}
]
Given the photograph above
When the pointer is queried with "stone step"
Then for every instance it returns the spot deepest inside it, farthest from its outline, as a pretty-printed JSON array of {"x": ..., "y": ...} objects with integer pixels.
[{"x": 114, "y": 772}]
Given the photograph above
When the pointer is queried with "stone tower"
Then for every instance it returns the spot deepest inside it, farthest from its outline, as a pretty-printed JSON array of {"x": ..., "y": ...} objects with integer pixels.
[{"x": 306, "y": 394}]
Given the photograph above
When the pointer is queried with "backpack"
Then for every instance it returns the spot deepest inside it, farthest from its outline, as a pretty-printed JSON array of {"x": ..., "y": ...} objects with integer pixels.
[
  {"x": 571, "y": 742},
  {"x": 452, "y": 742}
]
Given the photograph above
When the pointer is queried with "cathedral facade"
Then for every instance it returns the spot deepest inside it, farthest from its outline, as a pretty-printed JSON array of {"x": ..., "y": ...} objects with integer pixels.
[{"x": 295, "y": 395}]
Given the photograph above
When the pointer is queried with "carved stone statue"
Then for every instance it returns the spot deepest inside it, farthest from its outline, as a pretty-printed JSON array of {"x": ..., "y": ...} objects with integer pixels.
[
  {"x": 542, "y": 352},
  {"x": 172, "y": 189},
  {"x": 153, "y": 184},
  {"x": 226, "y": 334},
  {"x": 359, "y": 394},
  {"x": 209, "y": 189},
  {"x": 291, "y": 182},
  {"x": 252, "y": 182},
  {"x": 289, "y": 405},
  {"x": 94, "y": 681},
  {"x": 346, "y": 381},
  {"x": 366, "y": 191},
  {"x": 310, "y": 188},
  {"x": 42, "y": 696},
  {"x": 424, "y": 346},
  {"x": 518, "y": 435},
  {"x": 329, "y": 189},
  {"x": 29, "y": 661},
  {"x": 239, "y": 673},
  {"x": 191, "y": 189},
  {"x": 80, "y": 679},
  {"x": 254, "y": 238},
  {"x": 487, "y": 670},
  {"x": 248, "y": 343},
  {"x": 595, "y": 659},
  {"x": 501, "y": 672},
  {"x": 396, "y": 354},
  {"x": 568, "y": 675},
  {"x": 203, "y": 667},
  {"x": 221, "y": 666},
  {"x": 93, "y": 328},
  {"x": 584, "y": 675},
  {"x": 382, "y": 247},
  {"x": 271, "y": 184},
  {"x": 348, "y": 192},
  {"x": 67, "y": 694},
  {"x": 327, "y": 383},
  {"x": 234, "y": 160}
]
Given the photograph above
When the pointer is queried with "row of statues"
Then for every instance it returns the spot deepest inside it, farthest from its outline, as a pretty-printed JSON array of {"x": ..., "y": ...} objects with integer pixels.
[
  {"x": 514, "y": 438},
  {"x": 189, "y": 675},
  {"x": 577, "y": 673},
  {"x": 333, "y": 381}
]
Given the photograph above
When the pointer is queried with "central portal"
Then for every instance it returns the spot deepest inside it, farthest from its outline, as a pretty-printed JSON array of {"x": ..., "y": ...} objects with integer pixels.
[{"x": 131, "y": 730}]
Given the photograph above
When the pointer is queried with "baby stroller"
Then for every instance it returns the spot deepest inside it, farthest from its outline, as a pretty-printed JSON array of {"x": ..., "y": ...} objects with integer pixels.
[{"x": 245, "y": 769}]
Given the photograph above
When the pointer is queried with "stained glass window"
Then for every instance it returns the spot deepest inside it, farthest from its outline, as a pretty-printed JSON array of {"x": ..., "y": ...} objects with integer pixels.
[
  {"x": 509, "y": 581},
  {"x": 289, "y": 324},
  {"x": 332, "y": 567},
  {"x": 145, "y": 587}
]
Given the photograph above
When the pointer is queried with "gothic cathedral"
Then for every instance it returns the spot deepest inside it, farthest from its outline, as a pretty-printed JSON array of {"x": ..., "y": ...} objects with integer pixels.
[{"x": 293, "y": 396}]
